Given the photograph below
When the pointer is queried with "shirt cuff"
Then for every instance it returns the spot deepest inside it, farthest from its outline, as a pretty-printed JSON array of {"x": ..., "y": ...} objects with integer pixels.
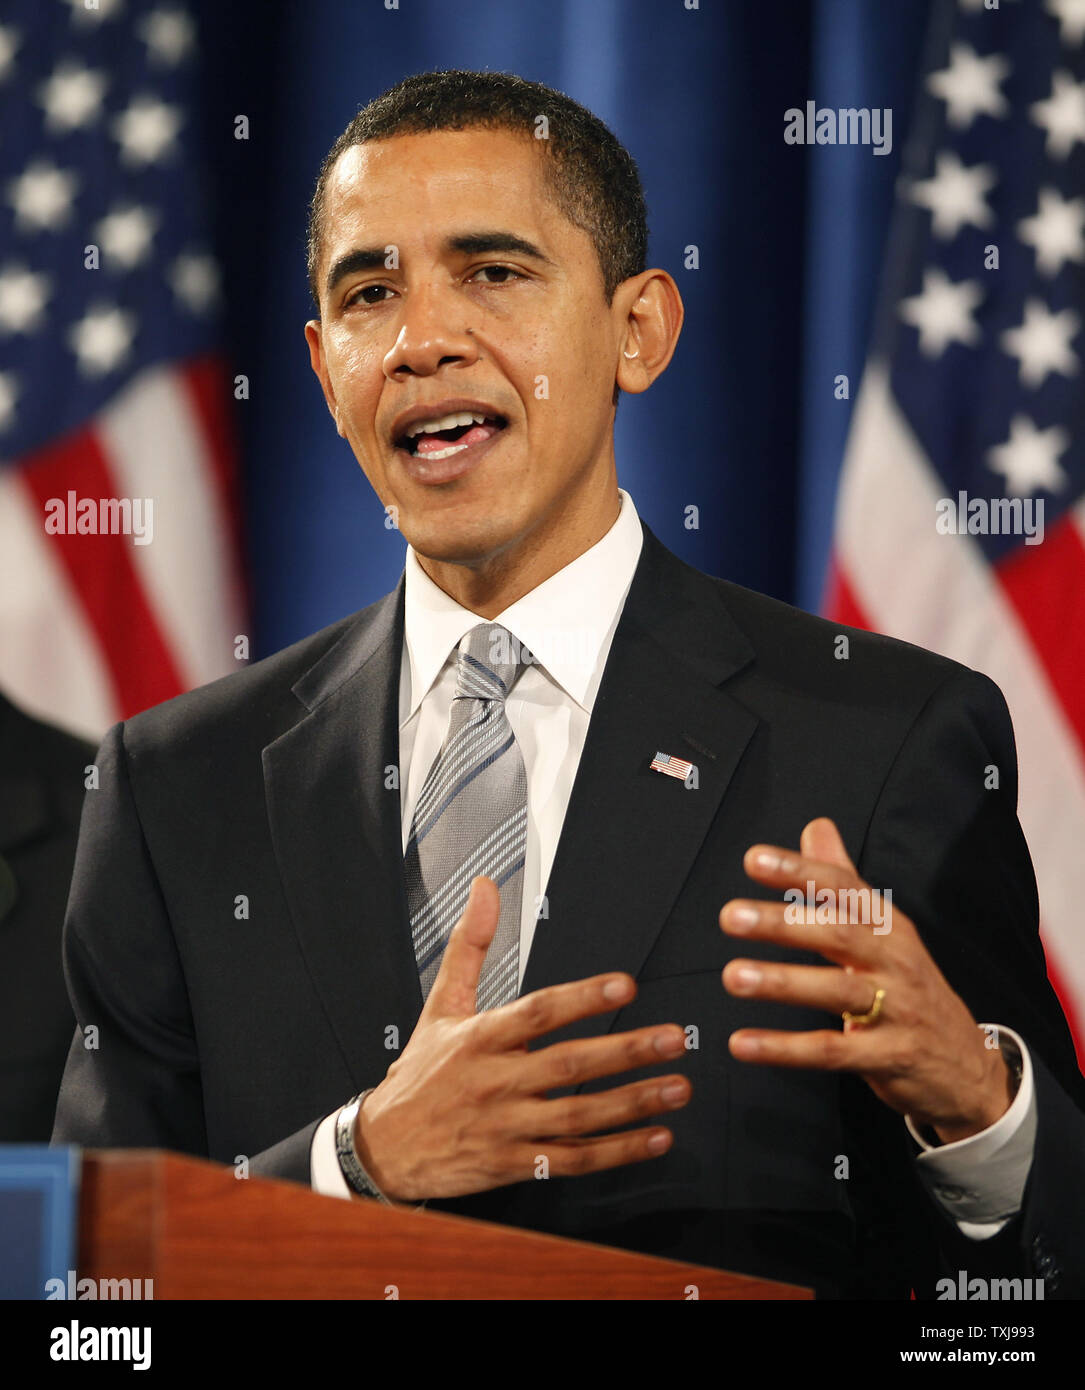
[
  {"x": 980, "y": 1181},
  {"x": 324, "y": 1172}
]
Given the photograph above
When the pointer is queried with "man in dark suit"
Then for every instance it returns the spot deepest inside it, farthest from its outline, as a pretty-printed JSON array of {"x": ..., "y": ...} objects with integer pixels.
[
  {"x": 42, "y": 772},
  {"x": 262, "y": 911}
]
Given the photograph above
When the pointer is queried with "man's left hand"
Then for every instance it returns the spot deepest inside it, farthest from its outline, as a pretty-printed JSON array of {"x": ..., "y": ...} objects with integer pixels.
[{"x": 924, "y": 1055}]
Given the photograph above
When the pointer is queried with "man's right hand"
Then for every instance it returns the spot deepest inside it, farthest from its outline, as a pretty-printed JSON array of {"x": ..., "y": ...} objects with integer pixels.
[{"x": 464, "y": 1109}]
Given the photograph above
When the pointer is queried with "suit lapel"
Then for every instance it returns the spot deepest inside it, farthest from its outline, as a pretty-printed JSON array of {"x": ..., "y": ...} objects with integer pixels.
[
  {"x": 335, "y": 825},
  {"x": 631, "y": 834}
]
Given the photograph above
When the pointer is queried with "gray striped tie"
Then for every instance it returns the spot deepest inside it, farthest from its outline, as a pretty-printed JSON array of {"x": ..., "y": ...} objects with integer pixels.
[{"x": 471, "y": 818}]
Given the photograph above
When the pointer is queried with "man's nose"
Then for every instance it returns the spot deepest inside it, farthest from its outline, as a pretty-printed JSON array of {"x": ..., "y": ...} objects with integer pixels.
[{"x": 433, "y": 332}]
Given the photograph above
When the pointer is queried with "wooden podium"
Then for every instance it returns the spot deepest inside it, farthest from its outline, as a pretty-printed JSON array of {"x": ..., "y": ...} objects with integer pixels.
[{"x": 200, "y": 1232}]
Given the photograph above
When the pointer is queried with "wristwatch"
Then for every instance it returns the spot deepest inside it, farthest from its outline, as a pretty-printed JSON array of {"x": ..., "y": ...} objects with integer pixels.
[{"x": 358, "y": 1180}]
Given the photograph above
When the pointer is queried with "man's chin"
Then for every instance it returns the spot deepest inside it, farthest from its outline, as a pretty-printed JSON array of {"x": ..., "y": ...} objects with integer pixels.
[{"x": 472, "y": 543}]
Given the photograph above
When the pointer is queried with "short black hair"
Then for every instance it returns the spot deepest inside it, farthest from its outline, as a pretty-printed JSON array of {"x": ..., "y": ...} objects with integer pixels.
[{"x": 592, "y": 176}]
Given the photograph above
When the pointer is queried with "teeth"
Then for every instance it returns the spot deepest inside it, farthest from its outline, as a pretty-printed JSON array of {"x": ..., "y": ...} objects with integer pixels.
[
  {"x": 446, "y": 422},
  {"x": 441, "y": 453}
]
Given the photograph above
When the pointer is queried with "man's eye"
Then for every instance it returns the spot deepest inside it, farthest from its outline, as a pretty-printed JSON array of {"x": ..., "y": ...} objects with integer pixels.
[
  {"x": 363, "y": 295},
  {"x": 503, "y": 271}
]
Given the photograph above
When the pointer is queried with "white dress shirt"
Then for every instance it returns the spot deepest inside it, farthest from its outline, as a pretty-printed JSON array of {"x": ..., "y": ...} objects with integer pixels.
[{"x": 568, "y": 624}]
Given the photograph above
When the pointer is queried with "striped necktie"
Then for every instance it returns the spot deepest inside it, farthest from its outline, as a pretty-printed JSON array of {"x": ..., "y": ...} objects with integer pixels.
[{"x": 471, "y": 818}]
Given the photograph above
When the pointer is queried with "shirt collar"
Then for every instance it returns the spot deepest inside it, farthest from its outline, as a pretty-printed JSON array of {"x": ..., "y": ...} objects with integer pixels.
[{"x": 564, "y": 621}]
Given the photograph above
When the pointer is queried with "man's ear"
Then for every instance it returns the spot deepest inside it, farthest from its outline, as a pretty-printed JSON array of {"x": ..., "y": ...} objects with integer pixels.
[
  {"x": 650, "y": 309},
  {"x": 316, "y": 361}
]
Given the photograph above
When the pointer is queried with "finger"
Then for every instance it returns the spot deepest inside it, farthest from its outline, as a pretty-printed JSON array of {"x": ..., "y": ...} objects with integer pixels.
[
  {"x": 814, "y": 986},
  {"x": 585, "y": 1059},
  {"x": 821, "y": 1050},
  {"x": 514, "y": 1024},
  {"x": 820, "y": 839},
  {"x": 568, "y": 1158},
  {"x": 576, "y": 1115},
  {"x": 840, "y": 940},
  {"x": 779, "y": 867},
  {"x": 454, "y": 990}
]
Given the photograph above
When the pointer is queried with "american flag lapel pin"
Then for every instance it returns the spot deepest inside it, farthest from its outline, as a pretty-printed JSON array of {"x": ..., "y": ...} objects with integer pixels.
[{"x": 671, "y": 766}]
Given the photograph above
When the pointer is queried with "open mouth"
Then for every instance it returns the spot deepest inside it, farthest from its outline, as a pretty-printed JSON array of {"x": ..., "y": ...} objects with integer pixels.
[{"x": 449, "y": 434}]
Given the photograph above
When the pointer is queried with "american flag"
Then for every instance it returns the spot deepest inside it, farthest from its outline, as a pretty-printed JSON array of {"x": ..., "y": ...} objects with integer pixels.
[
  {"x": 673, "y": 767},
  {"x": 975, "y": 387},
  {"x": 114, "y": 399}
]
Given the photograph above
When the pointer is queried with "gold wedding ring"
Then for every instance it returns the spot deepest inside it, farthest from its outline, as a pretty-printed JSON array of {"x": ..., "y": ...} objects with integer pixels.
[{"x": 870, "y": 1017}]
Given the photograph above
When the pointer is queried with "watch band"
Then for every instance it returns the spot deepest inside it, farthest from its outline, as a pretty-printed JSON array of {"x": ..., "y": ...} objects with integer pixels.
[{"x": 358, "y": 1180}]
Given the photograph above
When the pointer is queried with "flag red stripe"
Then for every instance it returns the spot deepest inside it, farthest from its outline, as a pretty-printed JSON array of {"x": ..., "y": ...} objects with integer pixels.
[
  {"x": 839, "y": 601},
  {"x": 1046, "y": 585},
  {"x": 103, "y": 575},
  {"x": 1070, "y": 1009},
  {"x": 206, "y": 380}
]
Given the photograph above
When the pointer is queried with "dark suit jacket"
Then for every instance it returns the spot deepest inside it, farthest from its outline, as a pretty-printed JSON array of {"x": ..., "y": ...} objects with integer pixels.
[
  {"x": 41, "y": 792},
  {"x": 224, "y": 1035}
]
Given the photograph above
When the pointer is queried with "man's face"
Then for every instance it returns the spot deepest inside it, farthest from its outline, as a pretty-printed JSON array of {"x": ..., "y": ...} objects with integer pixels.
[{"x": 495, "y": 310}]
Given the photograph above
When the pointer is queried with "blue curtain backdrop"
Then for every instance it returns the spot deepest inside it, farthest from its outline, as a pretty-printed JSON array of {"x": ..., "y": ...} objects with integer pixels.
[{"x": 744, "y": 424}]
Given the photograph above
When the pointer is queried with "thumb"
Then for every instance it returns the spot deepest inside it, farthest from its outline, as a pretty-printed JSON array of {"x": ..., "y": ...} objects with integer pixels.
[
  {"x": 821, "y": 840},
  {"x": 456, "y": 985}
]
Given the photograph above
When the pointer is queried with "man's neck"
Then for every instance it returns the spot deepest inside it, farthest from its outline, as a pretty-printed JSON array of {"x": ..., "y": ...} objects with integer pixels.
[{"x": 491, "y": 586}]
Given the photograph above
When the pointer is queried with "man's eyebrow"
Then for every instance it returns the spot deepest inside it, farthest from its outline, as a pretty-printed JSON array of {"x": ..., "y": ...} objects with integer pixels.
[
  {"x": 495, "y": 242},
  {"x": 485, "y": 243},
  {"x": 361, "y": 258}
]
